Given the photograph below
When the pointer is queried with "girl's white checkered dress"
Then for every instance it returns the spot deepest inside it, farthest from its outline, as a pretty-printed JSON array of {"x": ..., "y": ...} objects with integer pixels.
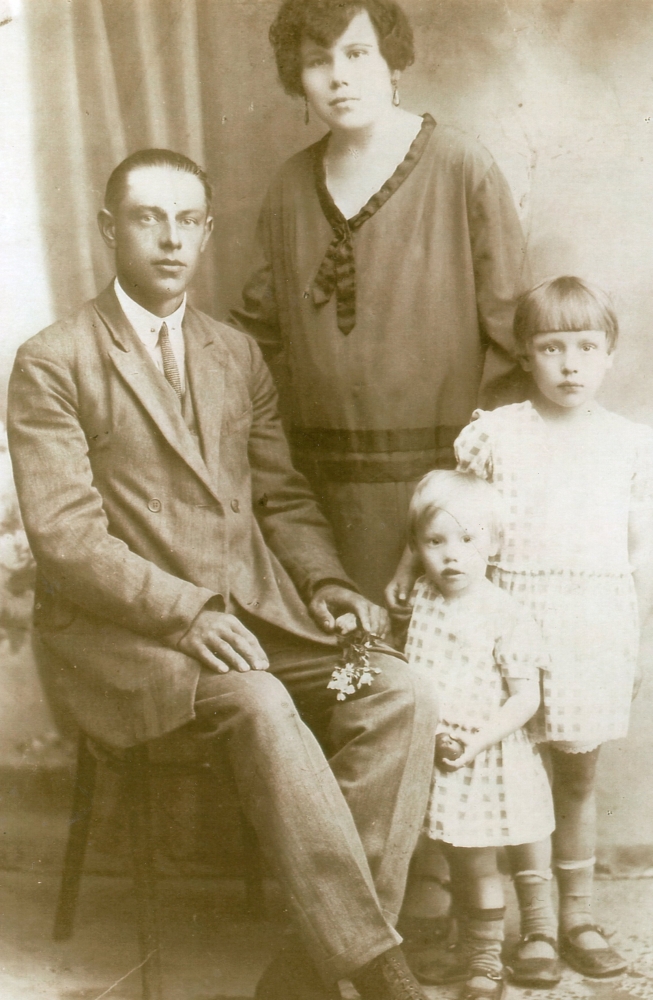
[
  {"x": 569, "y": 495},
  {"x": 472, "y": 646}
]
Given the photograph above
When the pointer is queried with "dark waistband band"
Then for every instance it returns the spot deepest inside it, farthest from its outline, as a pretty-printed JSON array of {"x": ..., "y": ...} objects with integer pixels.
[{"x": 402, "y": 439}]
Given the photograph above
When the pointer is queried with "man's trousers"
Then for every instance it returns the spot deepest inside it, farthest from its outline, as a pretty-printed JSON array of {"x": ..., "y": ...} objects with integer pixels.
[{"x": 337, "y": 819}]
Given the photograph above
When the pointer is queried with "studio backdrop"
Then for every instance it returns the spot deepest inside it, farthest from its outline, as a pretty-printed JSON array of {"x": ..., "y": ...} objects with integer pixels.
[{"x": 561, "y": 92}]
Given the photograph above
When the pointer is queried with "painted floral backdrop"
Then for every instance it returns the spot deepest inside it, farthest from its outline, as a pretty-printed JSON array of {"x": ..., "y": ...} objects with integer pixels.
[{"x": 27, "y": 730}]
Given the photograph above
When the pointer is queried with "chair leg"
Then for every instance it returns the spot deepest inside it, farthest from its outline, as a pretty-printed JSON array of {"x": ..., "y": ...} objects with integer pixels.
[
  {"x": 140, "y": 815},
  {"x": 80, "y": 823},
  {"x": 254, "y": 893}
]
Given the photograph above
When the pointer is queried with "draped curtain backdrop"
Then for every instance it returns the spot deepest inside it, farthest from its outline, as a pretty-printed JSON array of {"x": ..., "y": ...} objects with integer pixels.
[{"x": 113, "y": 76}]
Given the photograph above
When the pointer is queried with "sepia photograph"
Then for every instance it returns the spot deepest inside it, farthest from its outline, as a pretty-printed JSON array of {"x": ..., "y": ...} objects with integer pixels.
[{"x": 326, "y": 499}]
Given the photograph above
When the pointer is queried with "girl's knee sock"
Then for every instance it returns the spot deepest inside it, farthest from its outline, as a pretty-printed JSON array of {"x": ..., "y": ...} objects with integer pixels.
[
  {"x": 575, "y": 882},
  {"x": 537, "y": 916},
  {"x": 483, "y": 940}
]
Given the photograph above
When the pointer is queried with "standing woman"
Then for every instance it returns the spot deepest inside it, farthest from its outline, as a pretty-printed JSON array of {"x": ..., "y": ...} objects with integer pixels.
[{"x": 390, "y": 255}]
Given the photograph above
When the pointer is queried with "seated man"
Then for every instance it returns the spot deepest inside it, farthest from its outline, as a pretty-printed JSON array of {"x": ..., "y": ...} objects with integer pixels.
[{"x": 179, "y": 556}]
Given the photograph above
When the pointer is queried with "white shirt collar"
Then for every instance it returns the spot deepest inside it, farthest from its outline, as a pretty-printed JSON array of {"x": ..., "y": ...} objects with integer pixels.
[{"x": 145, "y": 323}]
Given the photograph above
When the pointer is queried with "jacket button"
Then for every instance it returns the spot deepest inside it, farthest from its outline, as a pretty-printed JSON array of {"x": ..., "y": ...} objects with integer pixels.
[
  {"x": 154, "y": 505},
  {"x": 235, "y": 506}
]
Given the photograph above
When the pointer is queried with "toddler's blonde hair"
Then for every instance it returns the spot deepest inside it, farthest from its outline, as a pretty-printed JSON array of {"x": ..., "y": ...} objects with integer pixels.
[{"x": 445, "y": 489}]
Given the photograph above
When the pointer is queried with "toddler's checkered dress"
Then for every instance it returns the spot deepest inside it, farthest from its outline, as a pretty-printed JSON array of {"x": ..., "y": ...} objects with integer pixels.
[
  {"x": 472, "y": 646},
  {"x": 570, "y": 492}
]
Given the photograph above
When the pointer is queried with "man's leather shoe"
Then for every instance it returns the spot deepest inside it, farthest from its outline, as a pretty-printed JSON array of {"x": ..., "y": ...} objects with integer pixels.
[{"x": 387, "y": 977}]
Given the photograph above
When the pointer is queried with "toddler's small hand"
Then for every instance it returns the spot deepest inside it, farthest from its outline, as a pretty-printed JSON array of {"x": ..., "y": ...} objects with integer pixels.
[
  {"x": 447, "y": 751},
  {"x": 470, "y": 747}
]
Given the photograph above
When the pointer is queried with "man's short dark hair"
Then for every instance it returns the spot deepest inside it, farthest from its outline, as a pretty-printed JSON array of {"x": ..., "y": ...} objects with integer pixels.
[
  {"x": 324, "y": 21},
  {"x": 115, "y": 190}
]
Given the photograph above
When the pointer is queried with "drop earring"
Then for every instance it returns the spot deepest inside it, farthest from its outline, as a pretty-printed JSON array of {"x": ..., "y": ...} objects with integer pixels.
[
  {"x": 395, "y": 94},
  {"x": 307, "y": 116}
]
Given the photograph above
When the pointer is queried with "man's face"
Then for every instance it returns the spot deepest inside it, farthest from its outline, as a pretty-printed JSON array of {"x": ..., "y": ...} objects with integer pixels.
[{"x": 158, "y": 233}]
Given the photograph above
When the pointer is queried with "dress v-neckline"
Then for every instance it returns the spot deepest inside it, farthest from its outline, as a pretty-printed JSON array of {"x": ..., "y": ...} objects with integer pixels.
[
  {"x": 387, "y": 189},
  {"x": 337, "y": 271}
]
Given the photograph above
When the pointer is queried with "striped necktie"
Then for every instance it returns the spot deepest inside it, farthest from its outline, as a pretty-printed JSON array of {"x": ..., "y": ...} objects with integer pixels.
[{"x": 170, "y": 368}]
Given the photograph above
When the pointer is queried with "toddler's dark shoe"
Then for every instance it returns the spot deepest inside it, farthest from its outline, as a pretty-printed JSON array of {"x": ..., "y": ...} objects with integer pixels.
[
  {"x": 599, "y": 963},
  {"x": 493, "y": 987},
  {"x": 536, "y": 972},
  {"x": 439, "y": 966},
  {"x": 387, "y": 977}
]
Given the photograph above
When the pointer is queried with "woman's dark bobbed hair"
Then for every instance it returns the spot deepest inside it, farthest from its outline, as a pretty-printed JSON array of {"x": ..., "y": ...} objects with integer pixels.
[{"x": 324, "y": 21}]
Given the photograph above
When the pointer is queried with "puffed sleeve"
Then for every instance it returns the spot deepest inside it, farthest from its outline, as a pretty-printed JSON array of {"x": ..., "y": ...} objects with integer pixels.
[
  {"x": 473, "y": 446},
  {"x": 641, "y": 489},
  {"x": 520, "y": 652}
]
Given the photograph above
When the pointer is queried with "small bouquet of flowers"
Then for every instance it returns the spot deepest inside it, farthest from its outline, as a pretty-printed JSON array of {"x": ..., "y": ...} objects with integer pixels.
[{"x": 354, "y": 670}]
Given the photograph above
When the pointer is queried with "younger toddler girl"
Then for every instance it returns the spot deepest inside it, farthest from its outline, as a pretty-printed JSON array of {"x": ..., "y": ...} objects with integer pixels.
[{"x": 490, "y": 787}]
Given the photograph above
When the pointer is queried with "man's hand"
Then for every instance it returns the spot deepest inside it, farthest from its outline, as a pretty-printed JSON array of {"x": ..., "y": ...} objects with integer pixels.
[
  {"x": 222, "y": 643},
  {"x": 332, "y": 601}
]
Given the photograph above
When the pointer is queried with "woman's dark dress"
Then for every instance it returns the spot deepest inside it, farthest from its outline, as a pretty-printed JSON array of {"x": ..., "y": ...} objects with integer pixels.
[{"x": 439, "y": 259}]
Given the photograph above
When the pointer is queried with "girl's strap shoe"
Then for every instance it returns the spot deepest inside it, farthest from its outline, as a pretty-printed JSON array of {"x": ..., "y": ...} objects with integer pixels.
[
  {"x": 540, "y": 972},
  {"x": 599, "y": 963}
]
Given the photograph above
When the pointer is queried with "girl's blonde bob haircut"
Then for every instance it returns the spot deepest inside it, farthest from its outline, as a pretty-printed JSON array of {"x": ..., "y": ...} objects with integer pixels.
[
  {"x": 451, "y": 491},
  {"x": 560, "y": 304}
]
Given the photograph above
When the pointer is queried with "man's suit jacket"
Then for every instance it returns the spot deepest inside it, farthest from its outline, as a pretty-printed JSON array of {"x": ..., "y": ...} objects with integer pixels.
[{"x": 133, "y": 530}]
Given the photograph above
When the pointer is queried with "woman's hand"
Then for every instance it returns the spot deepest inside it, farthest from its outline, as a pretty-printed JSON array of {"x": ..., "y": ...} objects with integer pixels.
[{"x": 397, "y": 593}]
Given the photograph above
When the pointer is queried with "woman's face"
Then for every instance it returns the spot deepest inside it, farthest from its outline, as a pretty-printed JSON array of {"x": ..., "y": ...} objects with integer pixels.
[{"x": 349, "y": 85}]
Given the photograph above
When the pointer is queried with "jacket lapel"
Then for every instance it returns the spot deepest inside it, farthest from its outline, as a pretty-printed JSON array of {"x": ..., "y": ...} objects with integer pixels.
[
  {"x": 206, "y": 372},
  {"x": 136, "y": 368}
]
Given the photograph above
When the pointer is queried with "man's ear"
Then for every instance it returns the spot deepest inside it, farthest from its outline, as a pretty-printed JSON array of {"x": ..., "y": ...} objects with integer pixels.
[
  {"x": 107, "y": 226},
  {"x": 208, "y": 229}
]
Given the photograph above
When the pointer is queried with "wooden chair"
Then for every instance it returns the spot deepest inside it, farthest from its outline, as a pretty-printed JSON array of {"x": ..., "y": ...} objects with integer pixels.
[{"x": 135, "y": 769}]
